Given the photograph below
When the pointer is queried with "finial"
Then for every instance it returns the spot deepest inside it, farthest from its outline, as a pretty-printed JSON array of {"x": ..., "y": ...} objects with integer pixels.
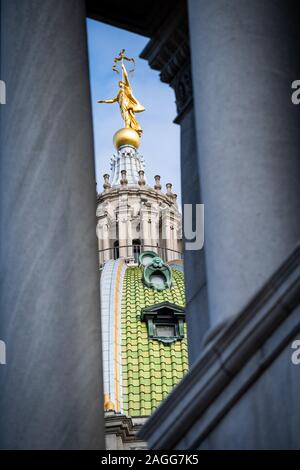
[
  {"x": 169, "y": 189},
  {"x": 157, "y": 185},
  {"x": 120, "y": 58},
  {"x": 170, "y": 193},
  {"x": 142, "y": 181},
  {"x": 108, "y": 404},
  {"x": 106, "y": 184}
]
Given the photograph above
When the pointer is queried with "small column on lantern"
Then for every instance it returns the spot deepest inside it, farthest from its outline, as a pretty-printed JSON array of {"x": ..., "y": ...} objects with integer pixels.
[
  {"x": 157, "y": 185},
  {"x": 170, "y": 193},
  {"x": 142, "y": 181},
  {"x": 124, "y": 180},
  {"x": 106, "y": 184}
]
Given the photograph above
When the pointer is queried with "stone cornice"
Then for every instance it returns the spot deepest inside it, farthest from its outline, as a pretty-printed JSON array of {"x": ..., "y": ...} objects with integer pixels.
[
  {"x": 121, "y": 425},
  {"x": 168, "y": 51},
  {"x": 132, "y": 191},
  {"x": 234, "y": 355}
]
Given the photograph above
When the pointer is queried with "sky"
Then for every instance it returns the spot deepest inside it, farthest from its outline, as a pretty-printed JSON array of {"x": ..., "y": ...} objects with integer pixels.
[{"x": 160, "y": 142}]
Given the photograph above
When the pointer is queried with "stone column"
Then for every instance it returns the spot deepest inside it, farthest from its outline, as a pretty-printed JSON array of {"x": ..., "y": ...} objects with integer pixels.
[
  {"x": 51, "y": 390},
  {"x": 245, "y": 56}
]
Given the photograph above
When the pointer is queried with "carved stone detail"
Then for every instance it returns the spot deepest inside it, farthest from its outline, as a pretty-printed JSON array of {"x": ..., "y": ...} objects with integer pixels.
[{"x": 169, "y": 52}]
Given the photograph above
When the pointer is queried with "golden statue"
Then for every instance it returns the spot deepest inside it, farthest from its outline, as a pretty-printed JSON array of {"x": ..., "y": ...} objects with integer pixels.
[{"x": 129, "y": 105}]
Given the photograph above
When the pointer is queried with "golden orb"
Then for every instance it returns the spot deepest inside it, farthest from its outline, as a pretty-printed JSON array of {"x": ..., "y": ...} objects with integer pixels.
[{"x": 126, "y": 136}]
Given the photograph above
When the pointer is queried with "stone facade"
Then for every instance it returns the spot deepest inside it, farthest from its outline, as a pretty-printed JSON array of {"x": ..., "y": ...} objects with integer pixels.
[
  {"x": 121, "y": 432},
  {"x": 133, "y": 216}
]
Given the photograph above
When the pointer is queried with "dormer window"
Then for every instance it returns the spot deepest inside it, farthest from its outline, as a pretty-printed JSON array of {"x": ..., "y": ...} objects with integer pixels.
[
  {"x": 165, "y": 331},
  {"x": 165, "y": 322}
]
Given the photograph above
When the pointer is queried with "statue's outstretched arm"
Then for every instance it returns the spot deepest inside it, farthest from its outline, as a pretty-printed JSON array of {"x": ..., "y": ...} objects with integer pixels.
[{"x": 108, "y": 101}]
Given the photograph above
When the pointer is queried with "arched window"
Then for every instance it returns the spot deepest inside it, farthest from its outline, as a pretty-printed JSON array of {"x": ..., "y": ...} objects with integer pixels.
[
  {"x": 136, "y": 244},
  {"x": 116, "y": 250}
]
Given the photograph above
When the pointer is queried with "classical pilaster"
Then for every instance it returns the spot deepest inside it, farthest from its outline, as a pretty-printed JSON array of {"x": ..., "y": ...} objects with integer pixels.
[
  {"x": 145, "y": 215},
  {"x": 154, "y": 226},
  {"x": 51, "y": 389},
  {"x": 123, "y": 225}
]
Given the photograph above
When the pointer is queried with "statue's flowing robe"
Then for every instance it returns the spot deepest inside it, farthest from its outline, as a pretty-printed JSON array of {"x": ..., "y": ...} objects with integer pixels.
[{"x": 130, "y": 105}]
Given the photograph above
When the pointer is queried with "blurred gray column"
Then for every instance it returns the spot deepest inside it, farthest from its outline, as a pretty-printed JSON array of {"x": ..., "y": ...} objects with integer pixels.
[
  {"x": 245, "y": 56},
  {"x": 197, "y": 316},
  {"x": 50, "y": 389}
]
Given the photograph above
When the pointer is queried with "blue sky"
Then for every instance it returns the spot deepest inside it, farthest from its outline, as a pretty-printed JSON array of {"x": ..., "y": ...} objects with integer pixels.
[{"x": 161, "y": 138}]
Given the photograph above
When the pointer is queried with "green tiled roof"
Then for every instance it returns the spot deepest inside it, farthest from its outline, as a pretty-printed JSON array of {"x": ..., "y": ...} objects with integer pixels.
[{"x": 149, "y": 368}]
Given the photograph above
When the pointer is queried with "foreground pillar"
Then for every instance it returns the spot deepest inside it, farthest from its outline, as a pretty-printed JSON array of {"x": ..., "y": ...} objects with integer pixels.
[
  {"x": 245, "y": 56},
  {"x": 51, "y": 389},
  {"x": 194, "y": 260}
]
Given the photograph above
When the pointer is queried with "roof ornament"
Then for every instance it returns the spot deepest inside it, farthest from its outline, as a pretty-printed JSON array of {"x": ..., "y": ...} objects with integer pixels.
[
  {"x": 157, "y": 274},
  {"x": 120, "y": 58}
]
